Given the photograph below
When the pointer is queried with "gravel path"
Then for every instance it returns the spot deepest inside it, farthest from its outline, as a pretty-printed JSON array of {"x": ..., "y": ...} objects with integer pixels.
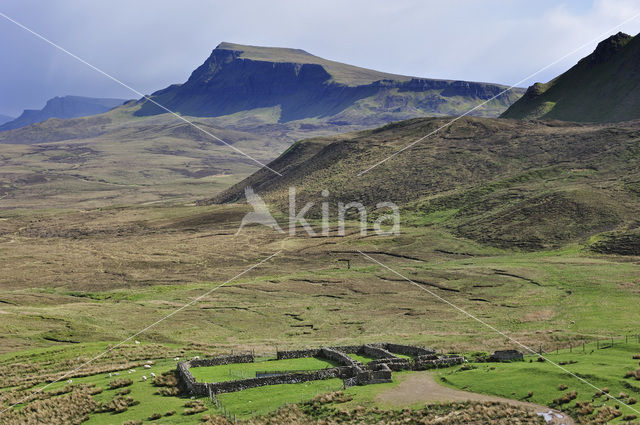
[{"x": 421, "y": 387}]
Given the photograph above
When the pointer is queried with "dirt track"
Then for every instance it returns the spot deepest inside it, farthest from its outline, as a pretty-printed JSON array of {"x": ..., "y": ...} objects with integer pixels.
[{"x": 421, "y": 387}]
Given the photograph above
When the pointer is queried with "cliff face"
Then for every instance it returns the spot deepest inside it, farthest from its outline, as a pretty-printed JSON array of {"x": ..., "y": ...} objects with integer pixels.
[
  {"x": 302, "y": 85},
  {"x": 63, "y": 107},
  {"x": 602, "y": 87}
]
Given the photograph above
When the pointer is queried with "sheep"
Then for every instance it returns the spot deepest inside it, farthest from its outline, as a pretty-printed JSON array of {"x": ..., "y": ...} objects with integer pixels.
[
  {"x": 137, "y": 342},
  {"x": 147, "y": 366},
  {"x": 69, "y": 381},
  {"x": 144, "y": 378},
  {"x": 153, "y": 375},
  {"x": 176, "y": 359}
]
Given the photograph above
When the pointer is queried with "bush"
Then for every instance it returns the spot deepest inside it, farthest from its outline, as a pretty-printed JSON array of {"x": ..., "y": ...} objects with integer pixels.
[
  {"x": 170, "y": 413},
  {"x": 632, "y": 400},
  {"x": 132, "y": 422},
  {"x": 629, "y": 417},
  {"x": 123, "y": 391},
  {"x": 155, "y": 416},
  {"x": 568, "y": 397},
  {"x": 562, "y": 387},
  {"x": 119, "y": 383},
  {"x": 168, "y": 391},
  {"x": 193, "y": 407}
]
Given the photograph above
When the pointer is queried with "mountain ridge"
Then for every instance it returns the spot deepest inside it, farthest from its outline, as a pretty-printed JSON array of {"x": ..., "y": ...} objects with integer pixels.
[{"x": 63, "y": 107}]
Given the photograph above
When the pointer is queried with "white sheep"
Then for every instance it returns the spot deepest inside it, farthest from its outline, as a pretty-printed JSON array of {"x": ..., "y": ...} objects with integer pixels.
[
  {"x": 144, "y": 378},
  {"x": 147, "y": 366},
  {"x": 137, "y": 342},
  {"x": 176, "y": 359},
  {"x": 153, "y": 375},
  {"x": 69, "y": 381}
]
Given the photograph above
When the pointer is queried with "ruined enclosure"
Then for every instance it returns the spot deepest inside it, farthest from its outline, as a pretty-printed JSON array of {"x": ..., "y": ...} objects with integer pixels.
[{"x": 385, "y": 359}]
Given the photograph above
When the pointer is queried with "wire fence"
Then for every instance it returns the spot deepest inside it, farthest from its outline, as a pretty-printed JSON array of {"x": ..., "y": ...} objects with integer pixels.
[{"x": 587, "y": 343}]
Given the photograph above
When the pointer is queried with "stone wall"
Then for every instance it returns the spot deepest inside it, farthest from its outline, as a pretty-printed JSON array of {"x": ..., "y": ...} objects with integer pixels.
[
  {"x": 424, "y": 364},
  {"x": 338, "y": 357},
  {"x": 289, "y": 378},
  {"x": 220, "y": 360},
  {"x": 188, "y": 382},
  {"x": 407, "y": 350},
  {"x": 297, "y": 354},
  {"x": 376, "y": 371},
  {"x": 377, "y": 352}
]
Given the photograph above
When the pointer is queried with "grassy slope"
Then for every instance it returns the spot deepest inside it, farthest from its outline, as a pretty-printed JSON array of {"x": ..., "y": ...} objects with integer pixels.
[
  {"x": 604, "y": 368},
  {"x": 603, "y": 87},
  {"x": 505, "y": 183}
]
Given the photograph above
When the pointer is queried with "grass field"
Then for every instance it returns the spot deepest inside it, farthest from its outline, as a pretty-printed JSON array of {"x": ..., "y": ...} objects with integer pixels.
[
  {"x": 232, "y": 372},
  {"x": 543, "y": 383}
]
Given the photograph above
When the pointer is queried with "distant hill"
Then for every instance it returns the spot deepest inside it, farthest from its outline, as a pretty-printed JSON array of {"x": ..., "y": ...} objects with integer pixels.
[
  {"x": 5, "y": 118},
  {"x": 243, "y": 78},
  {"x": 514, "y": 184},
  {"x": 63, "y": 107},
  {"x": 602, "y": 87}
]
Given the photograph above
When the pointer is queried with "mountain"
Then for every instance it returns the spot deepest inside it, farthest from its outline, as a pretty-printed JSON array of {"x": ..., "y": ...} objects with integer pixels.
[
  {"x": 262, "y": 100},
  {"x": 5, "y": 118},
  {"x": 507, "y": 183},
  {"x": 63, "y": 107},
  {"x": 302, "y": 86},
  {"x": 602, "y": 87}
]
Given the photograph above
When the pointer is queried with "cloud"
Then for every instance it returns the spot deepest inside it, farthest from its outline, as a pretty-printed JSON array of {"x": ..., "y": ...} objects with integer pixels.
[{"x": 150, "y": 44}]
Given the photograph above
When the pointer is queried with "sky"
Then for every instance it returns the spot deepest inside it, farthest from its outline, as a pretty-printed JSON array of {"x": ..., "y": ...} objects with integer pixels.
[{"x": 149, "y": 44}]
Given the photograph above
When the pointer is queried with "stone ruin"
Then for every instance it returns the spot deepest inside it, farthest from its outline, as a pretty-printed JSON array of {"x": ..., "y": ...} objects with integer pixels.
[{"x": 349, "y": 370}]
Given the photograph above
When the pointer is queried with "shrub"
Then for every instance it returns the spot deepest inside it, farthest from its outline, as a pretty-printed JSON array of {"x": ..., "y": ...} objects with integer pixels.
[
  {"x": 636, "y": 356},
  {"x": 632, "y": 400},
  {"x": 132, "y": 422},
  {"x": 193, "y": 407},
  {"x": 568, "y": 397},
  {"x": 170, "y": 413},
  {"x": 123, "y": 391},
  {"x": 562, "y": 387},
  {"x": 155, "y": 416},
  {"x": 168, "y": 391},
  {"x": 119, "y": 383},
  {"x": 629, "y": 417}
]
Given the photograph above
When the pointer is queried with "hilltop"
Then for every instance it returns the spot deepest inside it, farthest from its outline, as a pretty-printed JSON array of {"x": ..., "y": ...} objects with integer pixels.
[
  {"x": 302, "y": 86},
  {"x": 602, "y": 87}
]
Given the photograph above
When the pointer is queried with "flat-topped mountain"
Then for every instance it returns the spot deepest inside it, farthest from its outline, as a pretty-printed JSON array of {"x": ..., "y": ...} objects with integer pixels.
[
  {"x": 63, "y": 107},
  {"x": 300, "y": 85},
  {"x": 602, "y": 87}
]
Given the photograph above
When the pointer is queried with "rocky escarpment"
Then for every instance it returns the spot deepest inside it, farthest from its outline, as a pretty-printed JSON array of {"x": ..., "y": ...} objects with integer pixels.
[{"x": 305, "y": 86}]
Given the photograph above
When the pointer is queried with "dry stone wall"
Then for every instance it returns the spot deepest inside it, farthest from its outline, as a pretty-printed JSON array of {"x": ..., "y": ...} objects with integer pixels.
[{"x": 376, "y": 371}]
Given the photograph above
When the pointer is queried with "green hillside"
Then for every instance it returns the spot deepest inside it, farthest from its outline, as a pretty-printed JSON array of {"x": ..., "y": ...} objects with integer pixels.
[
  {"x": 512, "y": 184},
  {"x": 602, "y": 87}
]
